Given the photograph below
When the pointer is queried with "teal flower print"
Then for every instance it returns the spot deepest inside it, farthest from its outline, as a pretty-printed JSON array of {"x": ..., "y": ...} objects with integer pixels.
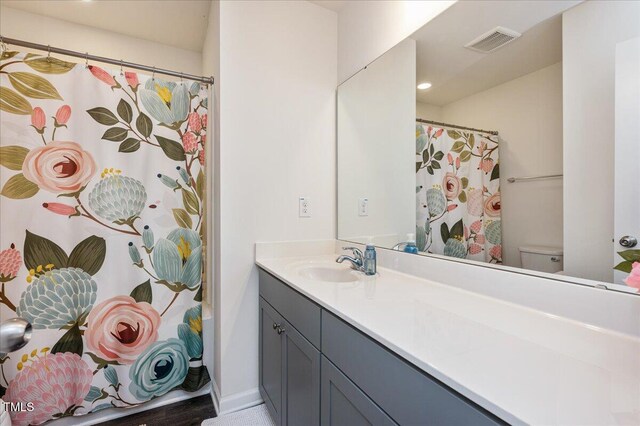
[
  {"x": 455, "y": 248},
  {"x": 118, "y": 199},
  {"x": 436, "y": 202},
  {"x": 178, "y": 258},
  {"x": 166, "y": 101},
  {"x": 190, "y": 331},
  {"x": 57, "y": 298},
  {"x": 494, "y": 232},
  {"x": 160, "y": 368}
]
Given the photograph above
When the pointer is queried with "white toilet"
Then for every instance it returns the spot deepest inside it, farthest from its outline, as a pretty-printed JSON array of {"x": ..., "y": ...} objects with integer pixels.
[{"x": 542, "y": 258}]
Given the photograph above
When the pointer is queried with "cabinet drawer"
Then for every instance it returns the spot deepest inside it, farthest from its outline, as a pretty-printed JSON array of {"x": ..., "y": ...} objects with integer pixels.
[
  {"x": 405, "y": 393},
  {"x": 299, "y": 311}
]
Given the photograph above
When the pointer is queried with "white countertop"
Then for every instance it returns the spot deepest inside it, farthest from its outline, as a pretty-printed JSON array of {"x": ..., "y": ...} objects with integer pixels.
[{"x": 525, "y": 366}]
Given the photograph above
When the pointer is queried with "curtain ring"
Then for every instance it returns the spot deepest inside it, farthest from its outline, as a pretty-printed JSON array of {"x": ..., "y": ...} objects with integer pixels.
[
  {"x": 3, "y": 47},
  {"x": 86, "y": 60},
  {"x": 181, "y": 74},
  {"x": 48, "y": 53},
  {"x": 121, "y": 72},
  {"x": 153, "y": 74}
]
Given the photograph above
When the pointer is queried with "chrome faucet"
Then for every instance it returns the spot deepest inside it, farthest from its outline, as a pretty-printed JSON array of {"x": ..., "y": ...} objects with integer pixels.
[{"x": 357, "y": 261}]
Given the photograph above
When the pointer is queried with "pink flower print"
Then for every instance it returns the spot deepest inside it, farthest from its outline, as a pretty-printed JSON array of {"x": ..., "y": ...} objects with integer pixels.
[
  {"x": 204, "y": 121},
  {"x": 429, "y": 129},
  {"x": 10, "y": 262},
  {"x": 482, "y": 147},
  {"x": 103, "y": 76},
  {"x": 120, "y": 329},
  {"x": 496, "y": 252},
  {"x": 480, "y": 239},
  {"x": 450, "y": 158},
  {"x": 633, "y": 280},
  {"x": 492, "y": 205},
  {"x": 486, "y": 165},
  {"x": 475, "y": 248},
  {"x": 475, "y": 202},
  {"x": 59, "y": 208},
  {"x": 466, "y": 232},
  {"x": 195, "y": 125},
  {"x": 59, "y": 167},
  {"x": 38, "y": 119},
  {"x": 451, "y": 207},
  {"x": 457, "y": 162},
  {"x": 132, "y": 79},
  {"x": 203, "y": 139},
  {"x": 452, "y": 186},
  {"x": 438, "y": 133},
  {"x": 476, "y": 226},
  {"x": 201, "y": 157},
  {"x": 62, "y": 115},
  {"x": 189, "y": 142},
  {"x": 54, "y": 382}
]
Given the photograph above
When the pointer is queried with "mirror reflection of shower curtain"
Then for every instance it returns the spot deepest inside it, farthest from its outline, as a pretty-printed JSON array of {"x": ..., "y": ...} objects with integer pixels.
[
  {"x": 101, "y": 235},
  {"x": 458, "y": 210}
]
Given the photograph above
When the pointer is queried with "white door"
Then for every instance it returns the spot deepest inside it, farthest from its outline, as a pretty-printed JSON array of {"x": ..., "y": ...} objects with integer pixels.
[{"x": 627, "y": 149}]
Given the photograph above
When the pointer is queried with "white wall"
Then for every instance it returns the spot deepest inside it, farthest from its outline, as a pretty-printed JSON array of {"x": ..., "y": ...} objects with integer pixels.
[
  {"x": 376, "y": 149},
  {"x": 589, "y": 36},
  {"x": 277, "y": 142},
  {"x": 368, "y": 28},
  {"x": 428, "y": 111},
  {"x": 527, "y": 112},
  {"x": 50, "y": 31}
]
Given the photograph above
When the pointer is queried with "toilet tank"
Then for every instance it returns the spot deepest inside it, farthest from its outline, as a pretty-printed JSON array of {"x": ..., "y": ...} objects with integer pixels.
[{"x": 541, "y": 258}]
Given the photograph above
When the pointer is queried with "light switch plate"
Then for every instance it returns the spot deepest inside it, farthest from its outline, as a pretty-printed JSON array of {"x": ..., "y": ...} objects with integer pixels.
[
  {"x": 304, "y": 207},
  {"x": 363, "y": 207}
]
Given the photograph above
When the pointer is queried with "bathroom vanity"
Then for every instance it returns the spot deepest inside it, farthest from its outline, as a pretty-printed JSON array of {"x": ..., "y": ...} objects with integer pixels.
[
  {"x": 317, "y": 369},
  {"x": 338, "y": 347}
]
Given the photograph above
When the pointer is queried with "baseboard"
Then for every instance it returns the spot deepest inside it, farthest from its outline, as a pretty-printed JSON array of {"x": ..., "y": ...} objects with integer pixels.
[
  {"x": 115, "y": 413},
  {"x": 236, "y": 402}
]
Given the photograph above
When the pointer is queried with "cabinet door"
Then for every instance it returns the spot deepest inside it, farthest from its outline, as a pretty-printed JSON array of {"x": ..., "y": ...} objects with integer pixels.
[
  {"x": 343, "y": 404},
  {"x": 271, "y": 360},
  {"x": 301, "y": 380}
]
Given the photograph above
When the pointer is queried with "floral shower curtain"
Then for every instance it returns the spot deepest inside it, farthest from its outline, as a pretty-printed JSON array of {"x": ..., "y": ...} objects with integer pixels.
[
  {"x": 458, "y": 194},
  {"x": 102, "y": 224}
]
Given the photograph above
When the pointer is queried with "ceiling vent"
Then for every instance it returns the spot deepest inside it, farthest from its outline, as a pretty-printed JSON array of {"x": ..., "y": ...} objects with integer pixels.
[{"x": 493, "y": 40}]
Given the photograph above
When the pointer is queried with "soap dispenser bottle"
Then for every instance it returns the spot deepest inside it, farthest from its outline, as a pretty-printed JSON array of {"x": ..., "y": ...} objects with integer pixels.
[
  {"x": 410, "y": 246},
  {"x": 370, "y": 259}
]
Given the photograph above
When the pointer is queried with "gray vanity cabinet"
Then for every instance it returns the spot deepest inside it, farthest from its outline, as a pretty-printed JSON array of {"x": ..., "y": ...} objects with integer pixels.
[
  {"x": 289, "y": 362},
  {"x": 317, "y": 369}
]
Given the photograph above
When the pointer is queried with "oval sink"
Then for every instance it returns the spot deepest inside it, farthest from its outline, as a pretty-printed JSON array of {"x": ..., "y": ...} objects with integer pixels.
[{"x": 329, "y": 274}]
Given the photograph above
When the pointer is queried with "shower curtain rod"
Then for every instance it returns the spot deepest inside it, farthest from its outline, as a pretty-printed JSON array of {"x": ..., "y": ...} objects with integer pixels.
[
  {"x": 87, "y": 57},
  {"x": 438, "y": 123}
]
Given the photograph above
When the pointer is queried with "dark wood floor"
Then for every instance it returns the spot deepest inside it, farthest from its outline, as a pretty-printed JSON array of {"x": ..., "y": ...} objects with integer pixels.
[{"x": 184, "y": 413}]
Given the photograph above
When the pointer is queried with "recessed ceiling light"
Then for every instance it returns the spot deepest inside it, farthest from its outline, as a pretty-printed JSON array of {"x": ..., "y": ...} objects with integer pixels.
[
  {"x": 424, "y": 86},
  {"x": 86, "y": 1}
]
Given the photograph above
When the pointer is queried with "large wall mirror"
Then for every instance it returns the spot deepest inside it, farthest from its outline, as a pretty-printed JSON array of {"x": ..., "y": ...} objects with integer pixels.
[{"x": 503, "y": 133}]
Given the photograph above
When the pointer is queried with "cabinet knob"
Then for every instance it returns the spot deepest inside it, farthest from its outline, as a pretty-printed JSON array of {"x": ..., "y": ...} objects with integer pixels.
[
  {"x": 280, "y": 330},
  {"x": 275, "y": 325}
]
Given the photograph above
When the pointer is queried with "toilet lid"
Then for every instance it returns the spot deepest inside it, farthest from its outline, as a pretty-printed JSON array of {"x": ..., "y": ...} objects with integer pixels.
[{"x": 553, "y": 251}]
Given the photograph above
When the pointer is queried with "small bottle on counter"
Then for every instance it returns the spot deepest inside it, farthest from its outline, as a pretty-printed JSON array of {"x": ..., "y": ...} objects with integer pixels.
[
  {"x": 410, "y": 246},
  {"x": 370, "y": 259}
]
